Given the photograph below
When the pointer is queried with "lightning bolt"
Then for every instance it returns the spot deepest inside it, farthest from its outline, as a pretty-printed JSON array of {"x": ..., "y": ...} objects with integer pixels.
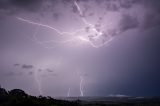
[
  {"x": 60, "y": 33},
  {"x": 38, "y": 82},
  {"x": 80, "y": 83},
  {"x": 37, "y": 76},
  {"x": 92, "y": 28},
  {"x": 81, "y": 14},
  {"x": 92, "y": 31},
  {"x": 91, "y": 35},
  {"x": 47, "y": 26},
  {"x": 81, "y": 86},
  {"x": 68, "y": 93}
]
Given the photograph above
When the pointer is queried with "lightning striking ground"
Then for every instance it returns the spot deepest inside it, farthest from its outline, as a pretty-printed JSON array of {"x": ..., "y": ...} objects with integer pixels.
[
  {"x": 68, "y": 93},
  {"x": 81, "y": 86},
  {"x": 38, "y": 82}
]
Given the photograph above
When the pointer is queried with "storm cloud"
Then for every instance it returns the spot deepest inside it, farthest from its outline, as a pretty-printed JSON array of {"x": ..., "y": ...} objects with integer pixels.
[
  {"x": 128, "y": 22},
  {"x": 125, "y": 65},
  {"x": 13, "y": 6},
  {"x": 16, "y": 64}
]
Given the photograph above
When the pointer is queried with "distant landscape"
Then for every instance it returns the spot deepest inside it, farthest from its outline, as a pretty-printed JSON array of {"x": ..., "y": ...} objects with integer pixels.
[{"x": 18, "y": 97}]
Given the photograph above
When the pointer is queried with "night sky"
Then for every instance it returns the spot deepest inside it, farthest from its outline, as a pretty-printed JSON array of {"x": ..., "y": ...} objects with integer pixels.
[{"x": 80, "y": 47}]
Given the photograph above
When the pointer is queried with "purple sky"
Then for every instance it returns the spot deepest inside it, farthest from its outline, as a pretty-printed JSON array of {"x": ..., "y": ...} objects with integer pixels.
[{"x": 116, "y": 49}]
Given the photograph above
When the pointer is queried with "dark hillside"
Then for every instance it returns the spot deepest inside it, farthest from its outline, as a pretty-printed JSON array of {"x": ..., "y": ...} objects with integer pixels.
[{"x": 17, "y": 97}]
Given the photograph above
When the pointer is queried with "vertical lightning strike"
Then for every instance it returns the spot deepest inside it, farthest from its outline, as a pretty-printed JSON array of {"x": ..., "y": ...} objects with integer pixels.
[
  {"x": 80, "y": 83},
  {"x": 68, "y": 93},
  {"x": 38, "y": 82},
  {"x": 81, "y": 86}
]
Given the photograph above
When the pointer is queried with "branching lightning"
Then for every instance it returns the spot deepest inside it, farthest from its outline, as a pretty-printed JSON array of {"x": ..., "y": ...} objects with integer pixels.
[
  {"x": 91, "y": 35},
  {"x": 60, "y": 33},
  {"x": 47, "y": 26}
]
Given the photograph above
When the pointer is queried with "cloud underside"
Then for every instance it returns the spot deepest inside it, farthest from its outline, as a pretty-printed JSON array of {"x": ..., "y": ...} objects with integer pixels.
[{"x": 151, "y": 19}]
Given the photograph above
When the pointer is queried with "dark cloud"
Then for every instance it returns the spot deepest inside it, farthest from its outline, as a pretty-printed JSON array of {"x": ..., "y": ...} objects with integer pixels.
[
  {"x": 27, "y": 66},
  {"x": 25, "y": 3},
  {"x": 24, "y": 66},
  {"x": 29, "y": 5},
  {"x": 14, "y": 6},
  {"x": 153, "y": 4},
  {"x": 16, "y": 64},
  {"x": 127, "y": 3},
  {"x": 152, "y": 15},
  {"x": 111, "y": 6},
  {"x": 116, "y": 5},
  {"x": 128, "y": 22},
  {"x": 67, "y": 1},
  {"x": 151, "y": 20}
]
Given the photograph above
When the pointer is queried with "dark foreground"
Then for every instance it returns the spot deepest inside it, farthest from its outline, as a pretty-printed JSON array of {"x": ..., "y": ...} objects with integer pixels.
[{"x": 18, "y": 97}]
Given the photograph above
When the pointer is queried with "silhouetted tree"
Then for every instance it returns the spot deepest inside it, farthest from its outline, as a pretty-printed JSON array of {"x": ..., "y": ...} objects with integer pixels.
[
  {"x": 17, "y": 92},
  {"x": 3, "y": 95}
]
